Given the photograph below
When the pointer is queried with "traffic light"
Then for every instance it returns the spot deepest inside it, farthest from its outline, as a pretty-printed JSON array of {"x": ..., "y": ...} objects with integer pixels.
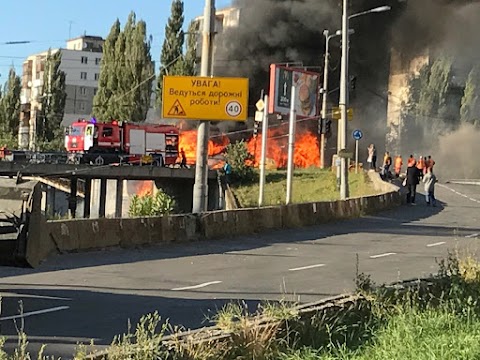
[
  {"x": 353, "y": 82},
  {"x": 328, "y": 126}
]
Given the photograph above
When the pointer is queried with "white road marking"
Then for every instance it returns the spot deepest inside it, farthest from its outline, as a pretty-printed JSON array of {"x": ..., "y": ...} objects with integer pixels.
[
  {"x": 307, "y": 267},
  {"x": 382, "y": 255},
  {"x": 199, "y": 286},
  {"x": 472, "y": 236},
  {"x": 459, "y": 193},
  {"x": 28, "y": 296},
  {"x": 32, "y": 313},
  {"x": 436, "y": 244}
]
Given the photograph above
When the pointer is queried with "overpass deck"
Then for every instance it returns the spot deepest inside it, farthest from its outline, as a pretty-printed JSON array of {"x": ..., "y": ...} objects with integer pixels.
[{"x": 124, "y": 172}]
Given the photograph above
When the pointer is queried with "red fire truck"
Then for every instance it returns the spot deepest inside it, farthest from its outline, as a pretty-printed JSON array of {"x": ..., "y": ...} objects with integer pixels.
[{"x": 92, "y": 142}]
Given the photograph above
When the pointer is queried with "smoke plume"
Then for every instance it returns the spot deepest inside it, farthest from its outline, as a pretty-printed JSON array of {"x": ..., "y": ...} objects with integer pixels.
[
  {"x": 456, "y": 154},
  {"x": 291, "y": 31}
]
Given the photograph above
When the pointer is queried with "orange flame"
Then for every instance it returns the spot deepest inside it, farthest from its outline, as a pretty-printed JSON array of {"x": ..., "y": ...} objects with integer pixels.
[
  {"x": 188, "y": 142},
  {"x": 306, "y": 152},
  {"x": 306, "y": 148},
  {"x": 144, "y": 187}
]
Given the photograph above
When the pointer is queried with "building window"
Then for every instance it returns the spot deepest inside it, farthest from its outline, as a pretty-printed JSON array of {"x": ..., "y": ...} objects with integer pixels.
[
  {"x": 81, "y": 105},
  {"x": 97, "y": 76},
  {"x": 95, "y": 90},
  {"x": 83, "y": 75},
  {"x": 83, "y": 91},
  {"x": 98, "y": 61},
  {"x": 84, "y": 60}
]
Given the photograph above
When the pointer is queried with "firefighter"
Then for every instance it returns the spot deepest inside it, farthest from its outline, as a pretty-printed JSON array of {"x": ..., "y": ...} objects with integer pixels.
[
  {"x": 398, "y": 165},
  {"x": 183, "y": 157},
  {"x": 421, "y": 166}
]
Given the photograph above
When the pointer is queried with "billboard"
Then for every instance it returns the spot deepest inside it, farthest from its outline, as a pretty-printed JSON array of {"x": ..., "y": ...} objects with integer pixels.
[
  {"x": 307, "y": 86},
  {"x": 205, "y": 98}
]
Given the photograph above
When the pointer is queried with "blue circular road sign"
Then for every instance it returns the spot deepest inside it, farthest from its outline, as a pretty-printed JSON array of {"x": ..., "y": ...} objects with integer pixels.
[{"x": 357, "y": 134}]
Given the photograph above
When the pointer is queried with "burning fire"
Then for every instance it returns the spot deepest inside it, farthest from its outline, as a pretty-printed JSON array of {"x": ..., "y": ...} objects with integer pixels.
[
  {"x": 306, "y": 154},
  {"x": 188, "y": 142},
  {"x": 143, "y": 188}
]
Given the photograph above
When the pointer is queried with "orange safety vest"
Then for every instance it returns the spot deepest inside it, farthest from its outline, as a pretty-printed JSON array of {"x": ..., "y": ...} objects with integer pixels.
[
  {"x": 411, "y": 162},
  {"x": 430, "y": 163},
  {"x": 421, "y": 164},
  {"x": 398, "y": 163}
]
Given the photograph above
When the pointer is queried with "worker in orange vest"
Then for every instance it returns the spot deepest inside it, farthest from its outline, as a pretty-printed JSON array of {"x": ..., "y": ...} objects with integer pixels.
[
  {"x": 398, "y": 165},
  {"x": 411, "y": 161},
  {"x": 421, "y": 166},
  {"x": 429, "y": 162}
]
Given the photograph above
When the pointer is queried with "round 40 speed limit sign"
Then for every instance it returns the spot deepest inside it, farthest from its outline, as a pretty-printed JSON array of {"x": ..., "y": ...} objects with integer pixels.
[{"x": 233, "y": 108}]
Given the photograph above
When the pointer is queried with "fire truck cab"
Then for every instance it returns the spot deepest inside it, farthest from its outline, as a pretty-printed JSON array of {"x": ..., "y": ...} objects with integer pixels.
[{"x": 100, "y": 143}]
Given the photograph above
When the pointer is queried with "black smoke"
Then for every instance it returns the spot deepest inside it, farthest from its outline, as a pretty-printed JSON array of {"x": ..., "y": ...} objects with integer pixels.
[{"x": 291, "y": 31}]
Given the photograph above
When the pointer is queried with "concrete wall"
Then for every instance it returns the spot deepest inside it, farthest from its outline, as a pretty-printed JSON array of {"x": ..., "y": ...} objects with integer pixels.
[{"x": 89, "y": 234}]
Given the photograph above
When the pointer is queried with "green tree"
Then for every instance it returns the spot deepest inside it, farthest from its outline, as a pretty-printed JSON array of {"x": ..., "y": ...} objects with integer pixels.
[
  {"x": 10, "y": 106},
  {"x": 238, "y": 157},
  {"x": 151, "y": 205},
  {"x": 126, "y": 75},
  {"x": 49, "y": 120},
  {"x": 190, "y": 59},
  {"x": 172, "y": 50},
  {"x": 470, "y": 110},
  {"x": 433, "y": 93},
  {"x": 429, "y": 110}
]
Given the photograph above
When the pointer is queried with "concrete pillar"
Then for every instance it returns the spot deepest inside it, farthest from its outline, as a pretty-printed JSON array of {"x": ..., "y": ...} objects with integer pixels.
[
  {"x": 119, "y": 199},
  {"x": 50, "y": 203},
  {"x": 88, "y": 198},
  {"x": 103, "y": 198},
  {"x": 72, "y": 199}
]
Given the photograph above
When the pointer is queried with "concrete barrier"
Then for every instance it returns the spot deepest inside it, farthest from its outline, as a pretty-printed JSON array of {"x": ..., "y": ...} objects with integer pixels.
[{"x": 89, "y": 234}]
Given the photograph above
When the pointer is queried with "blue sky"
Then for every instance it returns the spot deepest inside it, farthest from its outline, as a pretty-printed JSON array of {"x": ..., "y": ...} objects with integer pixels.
[{"x": 46, "y": 23}]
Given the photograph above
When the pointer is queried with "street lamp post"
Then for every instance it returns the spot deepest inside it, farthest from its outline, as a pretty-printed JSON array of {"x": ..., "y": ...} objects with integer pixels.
[
  {"x": 343, "y": 103},
  {"x": 325, "y": 93},
  {"x": 324, "y": 97}
]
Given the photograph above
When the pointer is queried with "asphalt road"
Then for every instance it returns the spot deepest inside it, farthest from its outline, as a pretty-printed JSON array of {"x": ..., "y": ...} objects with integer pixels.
[{"x": 77, "y": 297}]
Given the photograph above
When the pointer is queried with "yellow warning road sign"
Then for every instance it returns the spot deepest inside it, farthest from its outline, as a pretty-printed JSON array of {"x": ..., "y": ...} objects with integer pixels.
[
  {"x": 202, "y": 98},
  {"x": 337, "y": 114},
  {"x": 177, "y": 109}
]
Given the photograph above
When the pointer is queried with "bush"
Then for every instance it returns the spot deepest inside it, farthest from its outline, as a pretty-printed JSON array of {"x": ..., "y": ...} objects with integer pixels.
[
  {"x": 151, "y": 205},
  {"x": 239, "y": 158}
]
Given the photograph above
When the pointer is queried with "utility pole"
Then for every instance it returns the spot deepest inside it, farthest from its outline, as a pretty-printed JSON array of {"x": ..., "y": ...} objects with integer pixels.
[
  {"x": 324, "y": 100},
  {"x": 291, "y": 145},
  {"x": 263, "y": 156},
  {"x": 200, "y": 189},
  {"x": 343, "y": 104}
]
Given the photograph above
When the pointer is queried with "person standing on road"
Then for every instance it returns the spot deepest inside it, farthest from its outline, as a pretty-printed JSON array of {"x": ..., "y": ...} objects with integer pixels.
[
  {"x": 398, "y": 165},
  {"x": 387, "y": 162},
  {"x": 411, "y": 182},
  {"x": 430, "y": 162},
  {"x": 372, "y": 157},
  {"x": 421, "y": 166},
  {"x": 429, "y": 181}
]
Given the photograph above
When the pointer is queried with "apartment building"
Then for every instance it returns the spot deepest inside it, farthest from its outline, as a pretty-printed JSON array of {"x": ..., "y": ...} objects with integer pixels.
[
  {"x": 224, "y": 18},
  {"x": 81, "y": 60}
]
